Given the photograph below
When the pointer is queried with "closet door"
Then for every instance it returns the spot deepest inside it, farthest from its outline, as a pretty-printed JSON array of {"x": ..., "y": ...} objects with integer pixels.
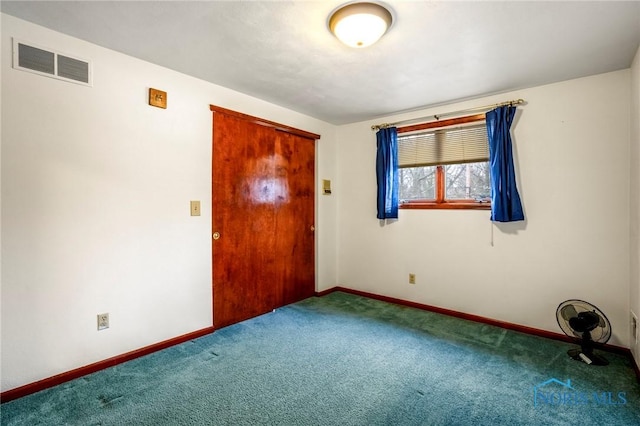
[
  {"x": 263, "y": 210},
  {"x": 295, "y": 228}
]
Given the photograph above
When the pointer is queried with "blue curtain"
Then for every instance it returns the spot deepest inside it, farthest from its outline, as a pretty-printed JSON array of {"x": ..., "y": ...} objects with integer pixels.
[
  {"x": 387, "y": 173},
  {"x": 505, "y": 200}
]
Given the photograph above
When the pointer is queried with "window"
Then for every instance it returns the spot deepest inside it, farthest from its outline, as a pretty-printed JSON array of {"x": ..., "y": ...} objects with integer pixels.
[{"x": 445, "y": 165}]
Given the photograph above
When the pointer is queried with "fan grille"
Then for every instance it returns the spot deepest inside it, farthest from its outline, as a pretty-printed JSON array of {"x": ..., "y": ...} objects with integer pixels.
[{"x": 571, "y": 308}]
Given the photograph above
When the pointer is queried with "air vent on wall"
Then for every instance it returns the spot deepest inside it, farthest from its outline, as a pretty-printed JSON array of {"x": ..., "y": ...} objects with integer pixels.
[{"x": 43, "y": 61}]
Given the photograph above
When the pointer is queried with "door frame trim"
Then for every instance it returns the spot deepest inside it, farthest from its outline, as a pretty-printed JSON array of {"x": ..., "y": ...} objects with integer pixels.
[{"x": 263, "y": 122}]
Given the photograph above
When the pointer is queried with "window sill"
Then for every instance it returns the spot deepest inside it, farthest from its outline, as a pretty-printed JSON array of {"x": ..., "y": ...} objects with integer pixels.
[{"x": 445, "y": 205}]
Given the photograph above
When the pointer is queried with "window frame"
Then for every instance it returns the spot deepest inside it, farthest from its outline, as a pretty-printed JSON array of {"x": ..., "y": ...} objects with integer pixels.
[{"x": 440, "y": 202}]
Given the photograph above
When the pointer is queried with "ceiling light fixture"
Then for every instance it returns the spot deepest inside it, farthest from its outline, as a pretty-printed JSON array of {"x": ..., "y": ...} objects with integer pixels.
[{"x": 360, "y": 24}]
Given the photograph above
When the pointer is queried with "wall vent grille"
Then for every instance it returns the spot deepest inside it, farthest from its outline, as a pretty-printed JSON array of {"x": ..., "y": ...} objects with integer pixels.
[{"x": 49, "y": 63}]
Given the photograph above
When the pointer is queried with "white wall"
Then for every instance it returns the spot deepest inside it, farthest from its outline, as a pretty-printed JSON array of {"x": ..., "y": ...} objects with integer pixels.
[
  {"x": 96, "y": 187},
  {"x": 635, "y": 198},
  {"x": 571, "y": 147}
]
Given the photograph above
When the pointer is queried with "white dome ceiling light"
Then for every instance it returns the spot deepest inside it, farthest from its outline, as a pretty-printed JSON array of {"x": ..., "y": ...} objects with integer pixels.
[{"x": 360, "y": 24}]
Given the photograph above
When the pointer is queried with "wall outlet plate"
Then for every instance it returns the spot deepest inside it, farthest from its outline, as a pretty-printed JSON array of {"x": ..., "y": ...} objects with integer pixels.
[{"x": 103, "y": 321}]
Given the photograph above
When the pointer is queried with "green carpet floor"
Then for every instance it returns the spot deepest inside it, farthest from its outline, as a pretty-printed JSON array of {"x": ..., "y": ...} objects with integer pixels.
[{"x": 346, "y": 360}]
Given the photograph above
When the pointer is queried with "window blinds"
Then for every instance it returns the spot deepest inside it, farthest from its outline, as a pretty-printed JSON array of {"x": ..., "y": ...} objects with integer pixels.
[{"x": 453, "y": 145}]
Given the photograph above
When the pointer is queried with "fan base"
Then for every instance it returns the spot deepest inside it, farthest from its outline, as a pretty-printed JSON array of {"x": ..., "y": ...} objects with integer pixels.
[{"x": 594, "y": 358}]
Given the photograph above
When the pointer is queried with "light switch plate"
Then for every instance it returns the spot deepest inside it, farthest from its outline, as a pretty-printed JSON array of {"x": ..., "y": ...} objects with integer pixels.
[
  {"x": 326, "y": 187},
  {"x": 195, "y": 208}
]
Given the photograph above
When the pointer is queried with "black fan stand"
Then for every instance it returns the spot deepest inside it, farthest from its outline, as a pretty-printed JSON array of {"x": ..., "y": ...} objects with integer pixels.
[{"x": 585, "y": 353}]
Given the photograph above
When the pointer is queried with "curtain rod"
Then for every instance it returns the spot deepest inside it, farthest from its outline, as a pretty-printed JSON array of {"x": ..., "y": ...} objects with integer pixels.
[{"x": 447, "y": 114}]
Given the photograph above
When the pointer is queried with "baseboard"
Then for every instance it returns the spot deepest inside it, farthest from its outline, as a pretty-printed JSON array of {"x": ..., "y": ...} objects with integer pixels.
[
  {"x": 34, "y": 387},
  {"x": 636, "y": 366},
  {"x": 477, "y": 318},
  {"x": 329, "y": 291}
]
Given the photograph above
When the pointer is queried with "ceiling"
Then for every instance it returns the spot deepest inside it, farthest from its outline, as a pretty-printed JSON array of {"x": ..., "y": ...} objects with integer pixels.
[{"x": 436, "y": 52}]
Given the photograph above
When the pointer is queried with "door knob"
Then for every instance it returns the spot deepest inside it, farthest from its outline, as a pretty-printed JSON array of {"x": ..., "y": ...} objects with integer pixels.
[
  {"x": 216, "y": 235},
  {"x": 313, "y": 228}
]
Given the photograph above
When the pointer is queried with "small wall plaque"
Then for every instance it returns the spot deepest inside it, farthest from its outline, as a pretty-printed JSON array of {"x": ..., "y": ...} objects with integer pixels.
[{"x": 158, "y": 98}]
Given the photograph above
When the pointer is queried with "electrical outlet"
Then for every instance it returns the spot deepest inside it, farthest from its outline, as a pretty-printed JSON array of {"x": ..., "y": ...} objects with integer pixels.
[
  {"x": 412, "y": 278},
  {"x": 103, "y": 321}
]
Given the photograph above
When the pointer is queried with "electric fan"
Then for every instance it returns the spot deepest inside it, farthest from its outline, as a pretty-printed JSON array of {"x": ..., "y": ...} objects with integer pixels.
[{"x": 582, "y": 320}]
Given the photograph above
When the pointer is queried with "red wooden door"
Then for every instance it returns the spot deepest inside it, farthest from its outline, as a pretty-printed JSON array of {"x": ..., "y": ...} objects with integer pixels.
[
  {"x": 263, "y": 211},
  {"x": 295, "y": 243}
]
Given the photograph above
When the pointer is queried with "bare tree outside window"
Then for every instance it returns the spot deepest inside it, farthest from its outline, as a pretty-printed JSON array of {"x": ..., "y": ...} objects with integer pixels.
[
  {"x": 417, "y": 183},
  {"x": 470, "y": 181}
]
